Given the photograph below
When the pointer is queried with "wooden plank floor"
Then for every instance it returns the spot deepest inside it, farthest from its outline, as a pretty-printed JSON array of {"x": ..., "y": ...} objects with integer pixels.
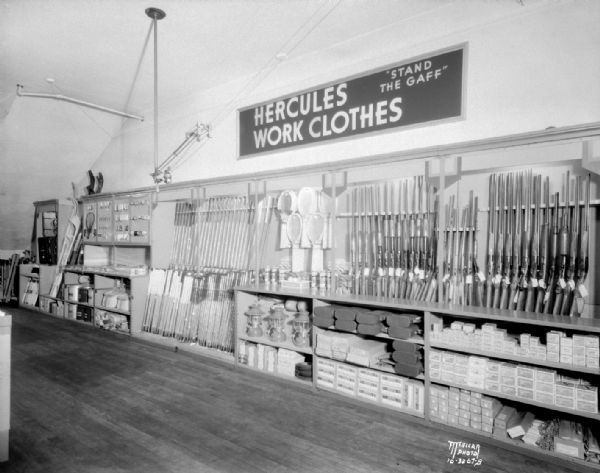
[{"x": 84, "y": 400}]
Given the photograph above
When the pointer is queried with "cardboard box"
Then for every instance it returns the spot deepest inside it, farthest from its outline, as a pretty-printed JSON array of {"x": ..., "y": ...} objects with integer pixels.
[
  {"x": 525, "y": 372},
  {"x": 508, "y": 390},
  {"x": 544, "y": 398},
  {"x": 510, "y": 381},
  {"x": 487, "y": 420},
  {"x": 520, "y": 425},
  {"x": 571, "y": 448},
  {"x": 452, "y": 419},
  {"x": 587, "y": 393},
  {"x": 544, "y": 387},
  {"x": 566, "y": 402},
  {"x": 545, "y": 375},
  {"x": 487, "y": 428},
  {"x": 502, "y": 419},
  {"x": 526, "y": 383},
  {"x": 475, "y": 425},
  {"x": 586, "y": 406},
  {"x": 524, "y": 393},
  {"x": 592, "y": 341}
]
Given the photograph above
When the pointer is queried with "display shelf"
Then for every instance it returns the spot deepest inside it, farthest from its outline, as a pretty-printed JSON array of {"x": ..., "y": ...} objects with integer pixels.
[
  {"x": 120, "y": 243},
  {"x": 530, "y": 402},
  {"x": 46, "y": 296},
  {"x": 377, "y": 404},
  {"x": 520, "y": 359},
  {"x": 287, "y": 345}
]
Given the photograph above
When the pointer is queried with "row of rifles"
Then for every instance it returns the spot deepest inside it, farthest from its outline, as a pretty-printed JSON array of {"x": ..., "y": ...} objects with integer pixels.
[
  {"x": 393, "y": 240},
  {"x": 537, "y": 253}
]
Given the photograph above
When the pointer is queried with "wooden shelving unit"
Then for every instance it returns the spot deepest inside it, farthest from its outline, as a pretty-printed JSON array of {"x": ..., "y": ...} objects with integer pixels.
[{"x": 245, "y": 295}]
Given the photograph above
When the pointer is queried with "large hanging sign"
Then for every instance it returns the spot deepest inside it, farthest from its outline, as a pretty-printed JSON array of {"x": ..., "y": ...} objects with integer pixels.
[{"x": 424, "y": 90}]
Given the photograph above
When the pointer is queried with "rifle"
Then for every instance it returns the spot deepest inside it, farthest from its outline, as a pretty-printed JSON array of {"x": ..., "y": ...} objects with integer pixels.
[
  {"x": 491, "y": 242},
  {"x": 524, "y": 240},
  {"x": 500, "y": 242},
  {"x": 477, "y": 297},
  {"x": 553, "y": 257},
  {"x": 468, "y": 270},
  {"x": 449, "y": 244},
  {"x": 582, "y": 260},
  {"x": 568, "y": 290},
  {"x": 516, "y": 247},
  {"x": 378, "y": 286},
  {"x": 454, "y": 282},
  {"x": 432, "y": 293},
  {"x": 563, "y": 251},
  {"x": 532, "y": 285},
  {"x": 504, "y": 275},
  {"x": 544, "y": 253},
  {"x": 524, "y": 264}
]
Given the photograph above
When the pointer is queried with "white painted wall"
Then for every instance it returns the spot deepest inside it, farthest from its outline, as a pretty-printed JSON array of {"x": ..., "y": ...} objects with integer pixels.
[{"x": 525, "y": 73}]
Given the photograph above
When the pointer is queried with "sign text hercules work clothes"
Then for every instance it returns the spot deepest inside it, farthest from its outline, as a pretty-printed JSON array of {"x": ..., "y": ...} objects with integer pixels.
[{"x": 423, "y": 90}]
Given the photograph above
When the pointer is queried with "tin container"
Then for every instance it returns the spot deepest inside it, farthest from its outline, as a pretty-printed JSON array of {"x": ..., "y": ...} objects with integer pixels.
[{"x": 72, "y": 292}]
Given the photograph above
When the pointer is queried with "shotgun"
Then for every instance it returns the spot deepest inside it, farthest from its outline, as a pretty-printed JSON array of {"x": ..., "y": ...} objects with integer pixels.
[{"x": 491, "y": 241}]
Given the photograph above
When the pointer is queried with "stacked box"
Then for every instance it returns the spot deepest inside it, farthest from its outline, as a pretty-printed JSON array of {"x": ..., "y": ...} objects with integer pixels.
[
  {"x": 286, "y": 361},
  {"x": 545, "y": 381},
  {"x": 489, "y": 410},
  {"x": 566, "y": 350},
  {"x": 525, "y": 382},
  {"x": 464, "y": 409},
  {"x": 461, "y": 369},
  {"x": 447, "y": 367},
  {"x": 416, "y": 396},
  {"x": 586, "y": 399},
  {"x": 453, "y": 405},
  {"x": 508, "y": 379},
  {"x": 326, "y": 371},
  {"x": 346, "y": 379},
  {"x": 492, "y": 376},
  {"x": 476, "y": 367},
  {"x": 435, "y": 364},
  {"x": 553, "y": 345},
  {"x": 438, "y": 403},
  {"x": 391, "y": 390},
  {"x": 565, "y": 395},
  {"x": 592, "y": 351},
  {"x": 579, "y": 350},
  {"x": 368, "y": 384},
  {"x": 502, "y": 421}
]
